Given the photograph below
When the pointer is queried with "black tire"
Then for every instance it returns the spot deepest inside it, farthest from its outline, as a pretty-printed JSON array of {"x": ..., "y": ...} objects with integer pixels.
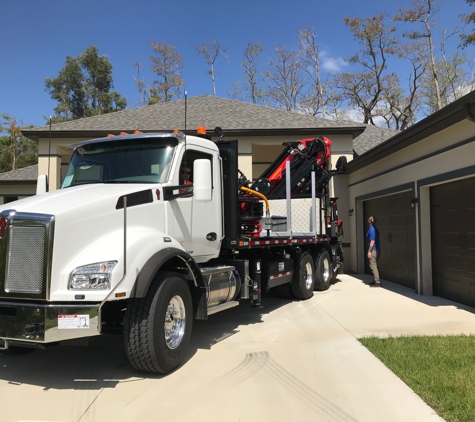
[
  {"x": 149, "y": 346},
  {"x": 323, "y": 271},
  {"x": 304, "y": 277},
  {"x": 339, "y": 270}
]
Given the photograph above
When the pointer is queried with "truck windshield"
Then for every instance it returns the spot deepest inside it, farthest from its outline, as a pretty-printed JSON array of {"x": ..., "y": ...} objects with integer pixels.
[{"x": 143, "y": 160}]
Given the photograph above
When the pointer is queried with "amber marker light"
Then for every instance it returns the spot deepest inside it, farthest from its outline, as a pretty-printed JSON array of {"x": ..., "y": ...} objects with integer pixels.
[
  {"x": 201, "y": 130},
  {"x": 121, "y": 294}
]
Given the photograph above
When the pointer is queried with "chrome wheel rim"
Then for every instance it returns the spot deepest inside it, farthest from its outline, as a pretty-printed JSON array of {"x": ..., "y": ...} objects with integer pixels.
[
  {"x": 326, "y": 270},
  {"x": 175, "y": 320},
  {"x": 308, "y": 276}
]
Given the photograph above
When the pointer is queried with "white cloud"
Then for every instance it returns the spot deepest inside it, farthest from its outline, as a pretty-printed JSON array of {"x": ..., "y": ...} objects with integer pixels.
[{"x": 332, "y": 64}]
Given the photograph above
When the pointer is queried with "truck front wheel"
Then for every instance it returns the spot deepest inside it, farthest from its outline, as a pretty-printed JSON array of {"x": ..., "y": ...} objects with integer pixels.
[{"x": 157, "y": 328}]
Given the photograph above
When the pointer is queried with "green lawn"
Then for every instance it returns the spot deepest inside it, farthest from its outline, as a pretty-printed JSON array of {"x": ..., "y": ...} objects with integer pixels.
[{"x": 440, "y": 369}]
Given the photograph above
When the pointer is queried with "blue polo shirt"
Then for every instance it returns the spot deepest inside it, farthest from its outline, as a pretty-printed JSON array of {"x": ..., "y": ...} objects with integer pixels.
[{"x": 373, "y": 234}]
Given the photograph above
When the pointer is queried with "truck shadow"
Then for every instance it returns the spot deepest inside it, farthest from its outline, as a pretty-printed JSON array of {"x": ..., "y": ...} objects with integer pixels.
[{"x": 102, "y": 363}]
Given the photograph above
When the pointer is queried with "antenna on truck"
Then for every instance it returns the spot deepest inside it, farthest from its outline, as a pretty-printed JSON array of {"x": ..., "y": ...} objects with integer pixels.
[
  {"x": 186, "y": 113},
  {"x": 49, "y": 153},
  {"x": 186, "y": 97}
]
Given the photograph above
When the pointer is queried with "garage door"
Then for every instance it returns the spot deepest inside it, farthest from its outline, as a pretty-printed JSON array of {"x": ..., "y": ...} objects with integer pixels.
[
  {"x": 395, "y": 220},
  {"x": 453, "y": 240}
]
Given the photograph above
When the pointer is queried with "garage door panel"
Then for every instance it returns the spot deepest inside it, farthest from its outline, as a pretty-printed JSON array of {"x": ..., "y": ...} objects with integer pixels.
[
  {"x": 448, "y": 263},
  {"x": 453, "y": 286},
  {"x": 471, "y": 240},
  {"x": 459, "y": 289},
  {"x": 382, "y": 221},
  {"x": 395, "y": 220},
  {"x": 451, "y": 221},
  {"x": 399, "y": 239},
  {"x": 453, "y": 240},
  {"x": 399, "y": 255},
  {"x": 471, "y": 266},
  {"x": 402, "y": 276},
  {"x": 449, "y": 240},
  {"x": 384, "y": 207},
  {"x": 398, "y": 205}
]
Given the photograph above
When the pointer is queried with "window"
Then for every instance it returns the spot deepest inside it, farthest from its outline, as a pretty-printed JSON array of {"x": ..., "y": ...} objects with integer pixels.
[
  {"x": 189, "y": 158},
  {"x": 8, "y": 199},
  {"x": 143, "y": 160}
]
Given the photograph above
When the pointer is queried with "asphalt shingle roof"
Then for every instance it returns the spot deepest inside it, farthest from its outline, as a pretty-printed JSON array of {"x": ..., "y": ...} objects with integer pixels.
[
  {"x": 25, "y": 174},
  {"x": 211, "y": 111},
  {"x": 205, "y": 110},
  {"x": 371, "y": 137}
]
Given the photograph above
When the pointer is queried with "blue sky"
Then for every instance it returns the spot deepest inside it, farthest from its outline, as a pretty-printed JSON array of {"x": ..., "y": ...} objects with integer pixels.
[{"x": 38, "y": 35}]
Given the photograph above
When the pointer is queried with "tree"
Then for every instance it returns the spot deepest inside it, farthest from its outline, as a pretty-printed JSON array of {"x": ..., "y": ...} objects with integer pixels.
[
  {"x": 423, "y": 12},
  {"x": 286, "y": 81},
  {"x": 365, "y": 88},
  {"x": 452, "y": 82},
  {"x": 16, "y": 151},
  {"x": 210, "y": 53},
  {"x": 83, "y": 87},
  {"x": 141, "y": 87},
  {"x": 401, "y": 109},
  {"x": 312, "y": 102},
  {"x": 167, "y": 65},
  {"x": 249, "y": 87},
  {"x": 468, "y": 39}
]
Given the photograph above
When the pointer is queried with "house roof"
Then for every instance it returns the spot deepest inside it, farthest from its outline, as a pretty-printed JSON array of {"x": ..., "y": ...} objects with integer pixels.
[
  {"x": 459, "y": 110},
  {"x": 25, "y": 175},
  {"x": 237, "y": 118}
]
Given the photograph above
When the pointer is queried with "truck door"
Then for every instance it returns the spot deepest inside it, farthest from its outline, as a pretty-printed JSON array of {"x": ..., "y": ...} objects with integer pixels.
[{"x": 201, "y": 221}]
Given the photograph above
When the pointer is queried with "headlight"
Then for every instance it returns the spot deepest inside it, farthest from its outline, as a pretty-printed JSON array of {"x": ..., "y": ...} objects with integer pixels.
[{"x": 92, "y": 277}]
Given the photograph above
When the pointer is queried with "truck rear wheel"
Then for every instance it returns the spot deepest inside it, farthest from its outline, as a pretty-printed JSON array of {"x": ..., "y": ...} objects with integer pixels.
[
  {"x": 323, "y": 271},
  {"x": 339, "y": 265},
  {"x": 157, "y": 328},
  {"x": 304, "y": 277}
]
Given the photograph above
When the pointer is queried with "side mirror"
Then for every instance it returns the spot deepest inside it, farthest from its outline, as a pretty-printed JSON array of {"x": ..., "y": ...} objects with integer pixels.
[
  {"x": 41, "y": 184},
  {"x": 202, "y": 183}
]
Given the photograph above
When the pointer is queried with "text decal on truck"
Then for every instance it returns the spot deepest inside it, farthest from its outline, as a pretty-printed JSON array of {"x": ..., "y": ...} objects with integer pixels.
[{"x": 70, "y": 322}]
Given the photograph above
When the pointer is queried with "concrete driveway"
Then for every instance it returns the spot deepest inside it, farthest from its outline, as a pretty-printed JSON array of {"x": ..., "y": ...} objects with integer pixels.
[{"x": 290, "y": 361}]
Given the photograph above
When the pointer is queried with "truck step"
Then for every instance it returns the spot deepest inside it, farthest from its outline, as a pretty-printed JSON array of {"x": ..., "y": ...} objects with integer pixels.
[
  {"x": 222, "y": 307},
  {"x": 216, "y": 270}
]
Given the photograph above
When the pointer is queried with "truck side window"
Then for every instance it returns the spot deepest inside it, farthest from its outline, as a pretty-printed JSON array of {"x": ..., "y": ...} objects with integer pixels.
[{"x": 187, "y": 165}]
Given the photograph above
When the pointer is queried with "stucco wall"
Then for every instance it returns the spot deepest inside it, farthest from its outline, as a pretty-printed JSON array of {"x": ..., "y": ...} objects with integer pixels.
[{"x": 445, "y": 156}]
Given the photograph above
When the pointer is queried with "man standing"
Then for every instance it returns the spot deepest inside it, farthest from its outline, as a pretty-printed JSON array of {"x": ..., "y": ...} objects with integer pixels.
[{"x": 374, "y": 251}]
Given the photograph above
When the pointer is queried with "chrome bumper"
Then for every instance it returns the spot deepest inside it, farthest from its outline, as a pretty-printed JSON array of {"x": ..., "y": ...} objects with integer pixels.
[{"x": 47, "y": 323}]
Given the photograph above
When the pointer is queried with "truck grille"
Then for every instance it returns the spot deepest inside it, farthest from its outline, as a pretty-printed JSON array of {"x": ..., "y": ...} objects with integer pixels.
[
  {"x": 26, "y": 255},
  {"x": 25, "y": 263}
]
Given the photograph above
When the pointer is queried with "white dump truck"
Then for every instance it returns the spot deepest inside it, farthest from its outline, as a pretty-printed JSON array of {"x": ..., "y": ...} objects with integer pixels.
[{"x": 126, "y": 247}]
